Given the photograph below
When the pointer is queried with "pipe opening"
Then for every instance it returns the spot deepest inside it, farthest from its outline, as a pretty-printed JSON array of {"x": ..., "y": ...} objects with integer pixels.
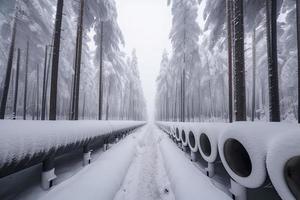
[
  {"x": 183, "y": 136},
  {"x": 177, "y": 133},
  {"x": 292, "y": 175},
  {"x": 237, "y": 158},
  {"x": 205, "y": 144},
  {"x": 192, "y": 139}
]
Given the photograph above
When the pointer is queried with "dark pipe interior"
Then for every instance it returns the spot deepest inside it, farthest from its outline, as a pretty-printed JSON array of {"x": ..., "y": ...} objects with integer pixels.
[
  {"x": 177, "y": 133},
  {"x": 205, "y": 144},
  {"x": 183, "y": 136},
  {"x": 237, "y": 158},
  {"x": 292, "y": 175},
  {"x": 192, "y": 139}
]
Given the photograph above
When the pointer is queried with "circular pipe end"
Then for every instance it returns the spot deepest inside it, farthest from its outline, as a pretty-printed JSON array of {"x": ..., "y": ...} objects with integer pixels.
[
  {"x": 205, "y": 144},
  {"x": 292, "y": 175},
  {"x": 237, "y": 158},
  {"x": 183, "y": 136},
  {"x": 177, "y": 133},
  {"x": 192, "y": 139}
]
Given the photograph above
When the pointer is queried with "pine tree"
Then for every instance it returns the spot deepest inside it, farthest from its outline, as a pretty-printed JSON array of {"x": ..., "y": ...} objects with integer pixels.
[
  {"x": 229, "y": 43},
  {"x": 298, "y": 45},
  {"x": 16, "y": 85},
  {"x": 55, "y": 59},
  {"x": 8, "y": 68},
  {"x": 26, "y": 82},
  {"x": 37, "y": 92},
  {"x": 75, "y": 103},
  {"x": 271, "y": 10},
  {"x": 101, "y": 72},
  {"x": 44, "y": 94},
  {"x": 239, "y": 71},
  {"x": 253, "y": 73}
]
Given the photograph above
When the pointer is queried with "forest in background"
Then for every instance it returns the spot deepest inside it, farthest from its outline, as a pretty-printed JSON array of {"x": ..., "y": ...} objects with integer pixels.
[
  {"x": 202, "y": 51},
  {"x": 90, "y": 40}
]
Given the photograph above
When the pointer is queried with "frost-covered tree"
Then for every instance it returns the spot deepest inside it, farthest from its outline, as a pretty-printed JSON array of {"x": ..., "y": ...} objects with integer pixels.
[
  {"x": 184, "y": 36},
  {"x": 36, "y": 25}
]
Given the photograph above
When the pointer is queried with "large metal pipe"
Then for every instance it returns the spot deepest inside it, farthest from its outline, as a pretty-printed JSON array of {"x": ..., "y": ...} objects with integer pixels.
[
  {"x": 283, "y": 165},
  {"x": 27, "y": 143},
  {"x": 208, "y": 140},
  {"x": 243, "y": 148},
  {"x": 193, "y": 144}
]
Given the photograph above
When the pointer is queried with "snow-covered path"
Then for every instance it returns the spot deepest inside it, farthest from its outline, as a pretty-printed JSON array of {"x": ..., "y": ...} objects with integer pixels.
[{"x": 146, "y": 178}]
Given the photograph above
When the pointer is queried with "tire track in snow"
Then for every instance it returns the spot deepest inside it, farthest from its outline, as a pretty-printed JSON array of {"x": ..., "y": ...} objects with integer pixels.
[{"x": 146, "y": 178}]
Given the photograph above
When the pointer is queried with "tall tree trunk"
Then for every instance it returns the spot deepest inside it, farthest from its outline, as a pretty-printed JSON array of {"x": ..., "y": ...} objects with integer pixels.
[
  {"x": 37, "y": 92},
  {"x": 47, "y": 80},
  {"x": 167, "y": 105},
  {"x": 55, "y": 59},
  {"x": 229, "y": 40},
  {"x": 71, "y": 108},
  {"x": 8, "y": 68},
  {"x": 26, "y": 82},
  {"x": 78, "y": 62},
  {"x": 175, "y": 117},
  {"x": 274, "y": 107},
  {"x": 33, "y": 102},
  {"x": 239, "y": 71},
  {"x": 16, "y": 85},
  {"x": 183, "y": 95},
  {"x": 83, "y": 107},
  {"x": 44, "y": 85},
  {"x": 298, "y": 45},
  {"x": 253, "y": 74},
  {"x": 101, "y": 73},
  {"x": 107, "y": 99}
]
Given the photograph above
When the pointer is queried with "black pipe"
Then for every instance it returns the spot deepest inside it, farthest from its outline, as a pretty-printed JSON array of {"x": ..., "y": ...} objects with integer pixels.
[
  {"x": 192, "y": 139},
  {"x": 177, "y": 133},
  {"x": 205, "y": 144},
  {"x": 183, "y": 136},
  {"x": 292, "y": 175},
  {"x": 48, "y": 157},
  {"x": 237, "y": 158}
]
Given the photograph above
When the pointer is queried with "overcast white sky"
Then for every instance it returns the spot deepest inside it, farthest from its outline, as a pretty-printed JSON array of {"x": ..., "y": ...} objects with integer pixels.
[{"x": 146, "y": 25}]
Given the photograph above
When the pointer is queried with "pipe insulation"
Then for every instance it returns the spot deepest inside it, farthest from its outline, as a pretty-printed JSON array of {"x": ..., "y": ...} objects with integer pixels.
[
  {"x": 208, "y": 137},
  {"x": 283, "y": 164},
  {"x": 26, "y": 143},
  {"x": 243, "y": 148}
]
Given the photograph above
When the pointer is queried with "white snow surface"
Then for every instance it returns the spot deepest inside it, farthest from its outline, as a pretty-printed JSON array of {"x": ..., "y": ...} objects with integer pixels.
[
  {"x": 256, "y": 137},
  {"x": 103, "y": 178},
  {"x": 25, "y": 138},
  {"x": 147, "y": 178},
  {"x": 281, "y": 150},
  {"x": 187, "y": 181}
]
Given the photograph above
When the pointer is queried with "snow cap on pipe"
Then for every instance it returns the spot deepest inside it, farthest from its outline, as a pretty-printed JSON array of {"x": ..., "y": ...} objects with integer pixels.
[
  {"x": 243, "y": 147},
  {"x": 209, "y": 134},
  {"x": 283, "y": 165}
]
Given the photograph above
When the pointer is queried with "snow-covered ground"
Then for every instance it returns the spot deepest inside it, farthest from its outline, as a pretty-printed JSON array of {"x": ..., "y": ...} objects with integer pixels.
[{"x": 147, "y": 178}]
